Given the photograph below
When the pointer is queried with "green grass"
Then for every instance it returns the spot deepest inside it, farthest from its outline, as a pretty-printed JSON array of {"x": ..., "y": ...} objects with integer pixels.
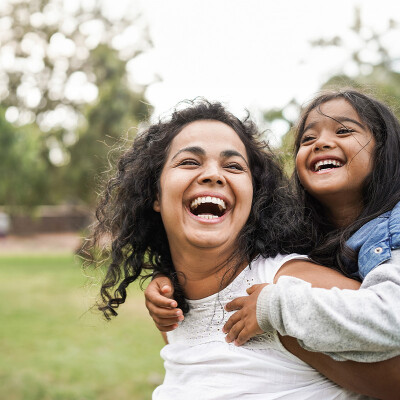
[{"x": 53, "y": 348}]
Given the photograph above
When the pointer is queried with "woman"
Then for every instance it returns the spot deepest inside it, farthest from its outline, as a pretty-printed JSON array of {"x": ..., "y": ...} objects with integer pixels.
[
  {"x": 346, "y": 149},
  {"x": 191, "y": 200}
]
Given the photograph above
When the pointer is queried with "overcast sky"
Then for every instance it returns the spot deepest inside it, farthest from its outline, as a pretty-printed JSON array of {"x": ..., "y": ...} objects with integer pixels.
[{"x": 251, "y": 54}]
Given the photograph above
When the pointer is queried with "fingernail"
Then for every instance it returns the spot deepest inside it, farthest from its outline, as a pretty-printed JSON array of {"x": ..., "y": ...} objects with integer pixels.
[
  {"x": 181, "y": 318},
  {"x": 178, "y": 313},
  {"x": 174, "y": 304}
]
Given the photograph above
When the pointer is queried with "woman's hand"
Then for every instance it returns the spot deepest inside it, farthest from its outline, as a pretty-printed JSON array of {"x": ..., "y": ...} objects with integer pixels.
[
  {"x": 243, "y": 325},
  {"x": 161, "y": 305}
]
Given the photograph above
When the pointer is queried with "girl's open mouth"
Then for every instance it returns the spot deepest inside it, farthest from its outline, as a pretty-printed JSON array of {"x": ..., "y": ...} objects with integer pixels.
[{"x": 326, "y": 164}]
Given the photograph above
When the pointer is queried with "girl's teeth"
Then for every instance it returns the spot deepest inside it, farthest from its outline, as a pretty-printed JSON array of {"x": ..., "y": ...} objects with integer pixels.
[{"x": 336, "y": 163}]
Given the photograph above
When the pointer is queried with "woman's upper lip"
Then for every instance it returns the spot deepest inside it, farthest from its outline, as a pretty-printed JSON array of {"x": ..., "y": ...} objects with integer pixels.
[
  {"x": 323, "y": 158},
  {"x": 210, "y": 194}
]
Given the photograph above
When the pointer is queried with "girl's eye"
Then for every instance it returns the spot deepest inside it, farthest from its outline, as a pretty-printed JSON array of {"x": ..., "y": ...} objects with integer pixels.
[
  {"x": 344, "y": 131},
  {"x": 306, "y": 139}
]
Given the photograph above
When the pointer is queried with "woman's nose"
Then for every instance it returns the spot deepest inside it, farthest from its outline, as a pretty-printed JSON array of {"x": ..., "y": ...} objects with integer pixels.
[{"x": 212, "y": 175}]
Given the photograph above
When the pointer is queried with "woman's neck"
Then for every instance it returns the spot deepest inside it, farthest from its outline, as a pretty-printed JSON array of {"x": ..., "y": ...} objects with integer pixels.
[{"x": 204, "y": 272}]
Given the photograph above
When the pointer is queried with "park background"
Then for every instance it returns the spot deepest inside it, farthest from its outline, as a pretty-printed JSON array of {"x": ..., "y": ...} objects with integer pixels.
[{"x": 78, "y": 79}]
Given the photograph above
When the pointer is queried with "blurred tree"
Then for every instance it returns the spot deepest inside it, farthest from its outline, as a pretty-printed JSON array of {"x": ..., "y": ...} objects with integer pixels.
[
  {"x": 22, "y": 168},
  {"x": 373, "y": 67},
  {"x": 63, "y": 68},
  {"x": 110, "y": 122}
]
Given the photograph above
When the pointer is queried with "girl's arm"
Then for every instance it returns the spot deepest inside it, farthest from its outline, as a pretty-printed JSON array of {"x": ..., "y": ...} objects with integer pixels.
[
  {"x": 380, "y": 379},
  {"x": 352, "y": 325},
  {"x": 161, "y": 305}
]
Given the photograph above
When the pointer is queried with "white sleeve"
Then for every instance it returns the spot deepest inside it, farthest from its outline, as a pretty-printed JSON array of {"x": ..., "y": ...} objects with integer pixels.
[{"x": 361, "y": 325}]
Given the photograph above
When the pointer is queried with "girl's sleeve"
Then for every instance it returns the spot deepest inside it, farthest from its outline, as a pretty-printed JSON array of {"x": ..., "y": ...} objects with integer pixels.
[{"x": 360, "y": 325}]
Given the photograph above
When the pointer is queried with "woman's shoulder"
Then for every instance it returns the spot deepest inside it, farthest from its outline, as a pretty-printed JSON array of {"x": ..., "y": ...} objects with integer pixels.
[{"x": 267, "y": 267}]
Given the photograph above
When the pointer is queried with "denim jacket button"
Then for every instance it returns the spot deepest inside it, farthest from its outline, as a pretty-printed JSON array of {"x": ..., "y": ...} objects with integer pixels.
[{"x": 378, "y": 250}]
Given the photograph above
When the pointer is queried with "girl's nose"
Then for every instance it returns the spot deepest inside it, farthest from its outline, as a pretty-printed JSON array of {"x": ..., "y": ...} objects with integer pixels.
[{"x": 325, "y": 141}]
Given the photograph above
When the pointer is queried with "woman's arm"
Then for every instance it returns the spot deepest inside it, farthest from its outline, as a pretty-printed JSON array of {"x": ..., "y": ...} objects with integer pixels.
[{"x": 379, "y": 380}]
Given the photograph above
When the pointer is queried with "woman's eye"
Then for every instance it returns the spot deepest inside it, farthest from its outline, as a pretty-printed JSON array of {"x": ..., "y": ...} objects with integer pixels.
[
  {"x": 235, "y": 166},
  {"x": 189, "y": 162}
]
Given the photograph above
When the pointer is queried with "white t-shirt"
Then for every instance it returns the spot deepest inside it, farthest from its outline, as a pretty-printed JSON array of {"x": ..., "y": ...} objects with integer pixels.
[{"x": 200, "y": 365}]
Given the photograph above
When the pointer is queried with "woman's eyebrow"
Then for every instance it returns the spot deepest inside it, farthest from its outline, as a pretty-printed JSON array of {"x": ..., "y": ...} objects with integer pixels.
[
  {"x": 232, "y": 153},
  {"x": 201, "y": 152},
  {"x": 191, "y": 149}
]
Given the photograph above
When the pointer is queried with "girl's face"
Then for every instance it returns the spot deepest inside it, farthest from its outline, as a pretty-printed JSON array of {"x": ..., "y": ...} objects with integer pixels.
[
  {"x": 335, "y": 154},
  {"x": 205, "y": 188}
]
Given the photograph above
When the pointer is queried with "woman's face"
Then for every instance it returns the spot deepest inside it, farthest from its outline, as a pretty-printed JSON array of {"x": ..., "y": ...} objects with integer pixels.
[
  {"x": 335, "y": 154},
  {"x": 205, "y": 188}
]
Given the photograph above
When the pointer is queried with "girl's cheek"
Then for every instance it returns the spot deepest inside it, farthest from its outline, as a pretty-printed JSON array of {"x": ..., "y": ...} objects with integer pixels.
[{"x": 299, "y": 163}]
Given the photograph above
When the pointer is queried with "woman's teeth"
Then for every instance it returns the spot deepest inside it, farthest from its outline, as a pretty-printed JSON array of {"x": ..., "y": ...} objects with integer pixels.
[
  {"x": 208, "y": 199},
  {"x": 208, "y": 207},
  {"x": 208, "y": 216},
  {"x": 325, "y": 164}
]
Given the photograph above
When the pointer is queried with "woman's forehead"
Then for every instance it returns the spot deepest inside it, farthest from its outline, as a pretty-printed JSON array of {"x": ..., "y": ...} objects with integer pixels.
[{"x": 209, "y": 135}]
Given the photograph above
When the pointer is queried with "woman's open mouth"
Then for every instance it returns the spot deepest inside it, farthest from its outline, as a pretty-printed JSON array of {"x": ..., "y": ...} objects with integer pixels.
[{"x": 208, "y": 207}]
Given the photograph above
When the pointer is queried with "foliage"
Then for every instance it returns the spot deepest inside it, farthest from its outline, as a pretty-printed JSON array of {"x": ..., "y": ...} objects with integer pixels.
[
  {"x": 110, "y": 121},
  {"x": 53, "y": 348},
  {"x": 22, "y": 167},
  {"x": 63, "y": 71},
  {"x": 47, "y": 48}
]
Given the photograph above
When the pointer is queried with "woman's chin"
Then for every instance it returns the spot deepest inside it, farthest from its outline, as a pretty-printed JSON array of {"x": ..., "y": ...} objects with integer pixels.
[{"x": 209, "y": 240}]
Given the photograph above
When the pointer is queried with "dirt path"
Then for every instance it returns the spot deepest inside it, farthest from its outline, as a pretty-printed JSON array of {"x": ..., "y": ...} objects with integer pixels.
[{"x": 40, "y": 243}]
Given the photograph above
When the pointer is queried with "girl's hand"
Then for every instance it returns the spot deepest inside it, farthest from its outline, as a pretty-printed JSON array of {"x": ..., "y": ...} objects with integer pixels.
[
  {"x": 243, "y": 325},
  {"x": 161, "y": 305}
]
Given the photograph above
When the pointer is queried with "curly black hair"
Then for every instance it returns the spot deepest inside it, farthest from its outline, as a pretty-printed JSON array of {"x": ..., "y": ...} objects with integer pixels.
[
  {"x": 139, "y": 241},
  {"x": 381, "y": 189}
]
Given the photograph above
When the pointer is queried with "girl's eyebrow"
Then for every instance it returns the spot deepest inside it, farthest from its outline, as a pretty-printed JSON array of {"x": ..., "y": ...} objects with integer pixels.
[
  {"x": 338, "y": 119},
  {"x": 201, "y": 152}
]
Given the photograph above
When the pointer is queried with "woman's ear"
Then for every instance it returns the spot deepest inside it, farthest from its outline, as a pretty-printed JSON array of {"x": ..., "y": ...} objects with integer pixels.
[{"x": 156, "y": 205}]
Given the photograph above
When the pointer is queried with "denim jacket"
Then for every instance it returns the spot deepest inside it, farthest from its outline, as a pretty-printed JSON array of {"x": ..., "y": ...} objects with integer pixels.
[{"x": 375, "y": 240}]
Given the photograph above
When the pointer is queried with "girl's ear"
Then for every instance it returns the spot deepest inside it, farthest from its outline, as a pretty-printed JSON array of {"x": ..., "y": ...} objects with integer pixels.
[{"x": 156, "y": 205}]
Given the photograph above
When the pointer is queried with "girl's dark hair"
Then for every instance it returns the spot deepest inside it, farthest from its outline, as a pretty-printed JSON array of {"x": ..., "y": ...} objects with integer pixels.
[
  {"x": 381, "y": 189},
  {"x": 139, "y": 243}
]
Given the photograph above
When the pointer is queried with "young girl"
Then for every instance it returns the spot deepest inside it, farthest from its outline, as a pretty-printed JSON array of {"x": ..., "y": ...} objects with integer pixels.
[
  {"x": 348, "y": 175},
  {"x": 334, "y": 155},
  {"x": 190, "y": 200}
]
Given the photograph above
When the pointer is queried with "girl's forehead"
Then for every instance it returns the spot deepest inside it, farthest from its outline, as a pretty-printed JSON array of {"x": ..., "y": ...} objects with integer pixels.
[{"x": 332, "y": 109}]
